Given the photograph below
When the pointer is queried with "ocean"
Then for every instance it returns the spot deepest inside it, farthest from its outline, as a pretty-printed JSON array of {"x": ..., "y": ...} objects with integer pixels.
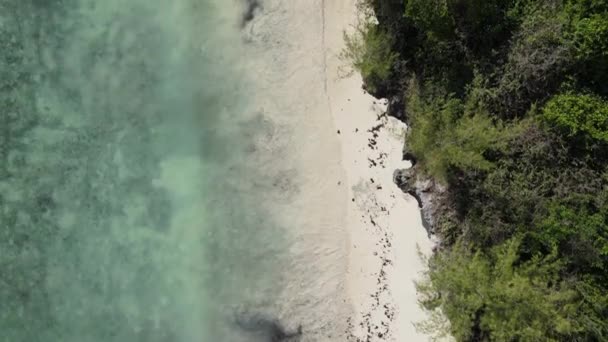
[{"x": 127, "y": 208}]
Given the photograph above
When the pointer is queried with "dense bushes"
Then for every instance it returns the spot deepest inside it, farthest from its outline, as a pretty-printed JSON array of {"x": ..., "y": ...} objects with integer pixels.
[
  {"x": 588, "y": 37},
  {"x": 495, "y": 296},
  {"x": 580, "y": 236},
  {"x": 579, "y": 114},
  {"x": 370, "y": 52},
  {"x": 507, "y": 103},
  {"x": 449, "y": 132},
  {"x": 535, "y": 63}
]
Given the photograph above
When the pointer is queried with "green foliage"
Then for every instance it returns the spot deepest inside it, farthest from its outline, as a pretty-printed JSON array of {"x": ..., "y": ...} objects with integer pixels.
[
  {"x": 589, "y": 40},
  {"x": 448, "y": 19},
  {"x": 590, "y": 36},
  {"x": 593, "y": 309},
  {"x": 579, "y": 114},
  {"x": 431, "y": 16},
  {"x": 449, "y": 133},
  {"x": 498, "y": 297},
  {"x": 582, "y": 8},
  {"x": 580, "y": 236},
  {"x": 506, "y": 102},
  {"x": 369, "y": 51},
  {"x": 535, "y": 62}
]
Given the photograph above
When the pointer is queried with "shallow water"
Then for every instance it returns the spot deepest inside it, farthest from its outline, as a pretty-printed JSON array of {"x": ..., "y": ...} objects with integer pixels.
[
  {"x": 160, "y": 177},
  {"x": 127, "y": 208}
]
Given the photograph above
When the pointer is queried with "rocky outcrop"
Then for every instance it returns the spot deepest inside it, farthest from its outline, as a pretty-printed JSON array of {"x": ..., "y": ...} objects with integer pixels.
[{"x": 426, "y": 191}]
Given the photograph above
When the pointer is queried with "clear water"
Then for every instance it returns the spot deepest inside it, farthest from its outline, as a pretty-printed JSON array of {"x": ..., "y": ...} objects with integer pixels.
[{"x": 123, "y": 214}]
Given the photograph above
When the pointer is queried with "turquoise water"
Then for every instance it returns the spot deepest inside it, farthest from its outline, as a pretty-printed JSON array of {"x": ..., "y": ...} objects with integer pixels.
[{"x": 121, "y": 174}]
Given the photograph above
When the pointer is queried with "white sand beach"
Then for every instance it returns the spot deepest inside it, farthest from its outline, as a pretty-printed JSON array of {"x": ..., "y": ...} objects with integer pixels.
[
  {"x": 384, "y": 223},
  {"x": 353, "y": 234}
]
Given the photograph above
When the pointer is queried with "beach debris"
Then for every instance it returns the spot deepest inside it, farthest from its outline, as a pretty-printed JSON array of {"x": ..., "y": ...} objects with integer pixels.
[
  {"x": 374, "y": 324},
  {"x": 376, "y": 128}
]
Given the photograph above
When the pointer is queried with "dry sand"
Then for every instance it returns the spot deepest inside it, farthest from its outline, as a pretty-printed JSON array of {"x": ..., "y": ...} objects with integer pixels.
[
  {"x": 384, "y": 224},
  {"x": 330, "y": 153}
]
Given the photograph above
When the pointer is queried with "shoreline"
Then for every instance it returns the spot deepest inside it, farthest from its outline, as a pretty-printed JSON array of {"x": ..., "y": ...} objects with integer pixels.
[{"x": 352, "y": 236}]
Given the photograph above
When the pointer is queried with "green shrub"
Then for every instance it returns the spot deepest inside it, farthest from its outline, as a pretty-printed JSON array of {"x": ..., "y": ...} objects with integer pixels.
[
  {"x": 589, "y": 40},
  {"x": 590, "y": 37},
  {"x": 581, "y": 8},
  {"x": 497, "y": 297},
  {"x": 580, "y": 236},
  {"x": 449, "y": 19},
  {"x": 369, "y": 51},
  {"x": 431, "y": 16},
  {"x": 578, "y": 115},
  {"x": 449, "y": 133},
  {"x": 535, "y": 63}
]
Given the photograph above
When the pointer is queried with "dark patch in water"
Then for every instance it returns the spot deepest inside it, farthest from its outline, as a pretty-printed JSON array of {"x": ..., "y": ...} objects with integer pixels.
[
  {"x": 250, "y": 7},
  {"x": 269, "y": 329}
]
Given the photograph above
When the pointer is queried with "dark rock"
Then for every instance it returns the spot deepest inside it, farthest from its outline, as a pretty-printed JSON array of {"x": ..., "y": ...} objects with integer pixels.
[
  {"x": 409, "y": 156},
  {"x": 427, "y": 193},
  {"x": 396, "y": 108},
  {"x": 404, "y": 178}
]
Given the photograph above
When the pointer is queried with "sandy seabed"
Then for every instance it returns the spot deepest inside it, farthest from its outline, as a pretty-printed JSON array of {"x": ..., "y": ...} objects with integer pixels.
[{"x": 353, "y": 236}]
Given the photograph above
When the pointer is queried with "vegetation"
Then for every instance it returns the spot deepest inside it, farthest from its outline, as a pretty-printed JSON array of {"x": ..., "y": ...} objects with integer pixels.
[
  {"x": 579, "y": 114},
  {"x": 371, "y": 55},
  {"x": 495, "y": 296},
  {"x": 507, "y": 101}
]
